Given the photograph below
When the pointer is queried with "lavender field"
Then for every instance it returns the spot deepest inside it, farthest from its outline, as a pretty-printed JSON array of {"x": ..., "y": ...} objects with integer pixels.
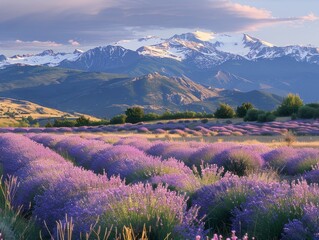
[
  {"x": 180, "y": 190},
  {"x": 190, "y": 127}
]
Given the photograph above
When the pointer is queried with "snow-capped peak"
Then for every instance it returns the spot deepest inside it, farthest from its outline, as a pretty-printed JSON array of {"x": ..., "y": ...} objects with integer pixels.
[
  {"x": 46, "y": 58},
  {"x": 251, "y": 40},
  {"x": 78, "y": 51},
  {"x": 204, "y": 36},
  {"x": 134, "y": 44},
  {"x": 49, "y": 52}
]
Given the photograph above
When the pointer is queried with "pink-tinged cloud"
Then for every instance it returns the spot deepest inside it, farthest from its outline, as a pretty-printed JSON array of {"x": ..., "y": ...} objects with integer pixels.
[
  {"x": 74, "y": 43},
  {"x": 36, "y": 44},
  {"x": 310, "y": 17},
  {"x": 247, "y": 11},
  {"x": 112, "y": 20}
]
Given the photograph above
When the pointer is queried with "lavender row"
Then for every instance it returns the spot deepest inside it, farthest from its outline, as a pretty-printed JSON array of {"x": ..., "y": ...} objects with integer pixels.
[
  {"x": 285, "y": 160},
  {"x": 128, "y": 162},
  {"x": 233, "y": 157},
  {"x": 196, "y": 128},
  {"x": 138, "y": 159},
  {"x": 55, "y": 188},
  {"x": 263, "y": 208}
]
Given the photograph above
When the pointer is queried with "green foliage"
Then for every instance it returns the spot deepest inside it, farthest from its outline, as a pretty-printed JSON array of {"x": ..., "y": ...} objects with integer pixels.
[
  {"x": 118, "y": 119},
  {"x": 313, "y": 105},
  {"x": 306, "y": 112},
  {"x": 241, "y": 111},
  {"x": 63, "y": 122},
  {"x": 224, "y": 111},
  {"x": 82, "y": 121},
  {"x": 134, "y": 114},
  {"x": 289, "y": 105},
  {"x": 23, "y": 123},
  {"x": 12, "y": 224},
  {"x": 10, "y": 114},
  {"x": 27, "y": 122},
  {"x": 252, "y": 115},
  {"x": 266, "y": 117},
  {"x": 151, "y": 117},
  {"x": 48, "y": 125}
]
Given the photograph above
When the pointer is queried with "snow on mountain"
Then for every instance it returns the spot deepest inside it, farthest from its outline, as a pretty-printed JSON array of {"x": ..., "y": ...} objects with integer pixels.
[
  {"x": 47, "y": 58},
  {"x": 213, "y": 49},
  {"x": 203, "y": 49},
  {"x": 135, "y": 44},
  {"x": 299, "y": 53},
  {"x": 179, "y": 46},
  {"x": 191, "y": 47},
  {"x": 100, "y": 58}
]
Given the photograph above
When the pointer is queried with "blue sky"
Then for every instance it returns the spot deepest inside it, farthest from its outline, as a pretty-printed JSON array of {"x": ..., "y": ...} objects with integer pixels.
[{"x": 36, "y": 25}]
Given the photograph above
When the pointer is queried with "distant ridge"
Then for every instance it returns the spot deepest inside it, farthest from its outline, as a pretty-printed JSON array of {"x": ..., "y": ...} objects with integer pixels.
[{"x": 105, "y": 95}]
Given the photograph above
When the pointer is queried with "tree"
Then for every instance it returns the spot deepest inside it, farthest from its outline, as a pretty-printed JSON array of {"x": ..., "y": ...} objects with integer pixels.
[
  {"x": 241, "y": 111},
  {"x": 224, "y": 111},
  {"x": 119, "y": 119},
  {"x": 266, "y": 117},
  {"x": 48, "y": 124},
  {"x": 151, "y": 117},
  {"x": 289, "y": 105},
  {"x": 306, "y": 112},
  {"x": 82, "y": 121},
  {"x": 134, "y": 114},
  {"x": 252, "y": 115}
]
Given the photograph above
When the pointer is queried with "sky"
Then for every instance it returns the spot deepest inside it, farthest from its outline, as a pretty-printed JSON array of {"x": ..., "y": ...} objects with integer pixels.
[{"x": 31, "y": 26}]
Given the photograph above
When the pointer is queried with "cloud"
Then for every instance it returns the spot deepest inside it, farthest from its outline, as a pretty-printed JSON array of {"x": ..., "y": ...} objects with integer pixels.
[
  {"x": 98, "y": 21},
  {"x": 310, "y": 17},
  {"x": 27, "y": 46},
  {"x": 35, "y": 44},
  {"x": 74, "y": 43}
]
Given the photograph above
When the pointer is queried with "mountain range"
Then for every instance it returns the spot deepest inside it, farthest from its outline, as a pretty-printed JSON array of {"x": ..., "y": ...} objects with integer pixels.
[{"x": 221, "y": 67}]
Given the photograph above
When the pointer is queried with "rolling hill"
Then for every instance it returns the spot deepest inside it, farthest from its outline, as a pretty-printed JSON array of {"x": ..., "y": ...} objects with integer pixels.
[{"x": 13, "y": 110}]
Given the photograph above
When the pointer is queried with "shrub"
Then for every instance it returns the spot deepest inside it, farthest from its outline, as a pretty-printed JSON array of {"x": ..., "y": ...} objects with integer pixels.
[
  {"x": 163, "y": 210},
  {"x": 224, "y": 111},
  {"x": 306, "y": 112},
  {"x": 241, "y": 111},
  {"x": 289, "y": 105},
  {"x": 266, "y": 117},
  {"x": 207, "y": 153},
  {"x": 64, "y": 123},
  {"x": 119, "y": 119},
  {"x": 218, "y": 201},
  {"x": 82, "y": 121},
  {"x": 252, "y": 115},
  {"x": 279, "y": 158},
  {"x": 150, "y": 117},
  {"x": 239, "y": 160},
  {"x": 266, "y": 214}
]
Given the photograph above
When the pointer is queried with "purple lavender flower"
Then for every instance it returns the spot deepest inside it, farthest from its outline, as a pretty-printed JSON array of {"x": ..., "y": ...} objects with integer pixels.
[{"x": 239, "y": 160}]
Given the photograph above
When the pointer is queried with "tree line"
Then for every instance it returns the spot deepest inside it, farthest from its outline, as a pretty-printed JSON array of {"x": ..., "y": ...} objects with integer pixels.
[{"x": 291, "y": 106}]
